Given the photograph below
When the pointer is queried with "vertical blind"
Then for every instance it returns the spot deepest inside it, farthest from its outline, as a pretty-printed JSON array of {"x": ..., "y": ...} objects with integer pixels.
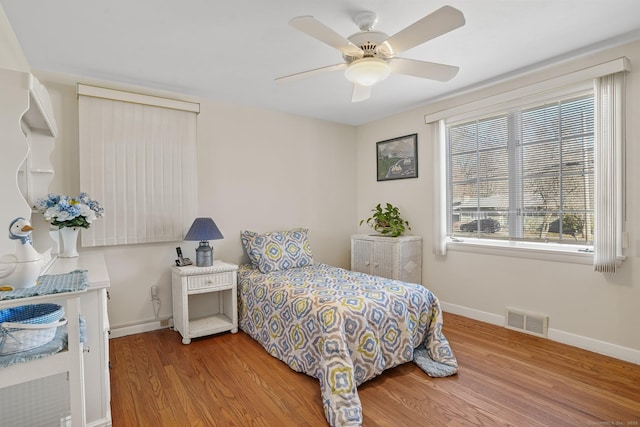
[
  {"x": 138, "y": 159},
  {"x": 609, "y": 128},
  {"x": 439, "y": 183}
]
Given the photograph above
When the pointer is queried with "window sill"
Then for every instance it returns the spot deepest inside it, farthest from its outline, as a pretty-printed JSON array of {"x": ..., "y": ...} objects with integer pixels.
[{"x": 542, "y": 251}]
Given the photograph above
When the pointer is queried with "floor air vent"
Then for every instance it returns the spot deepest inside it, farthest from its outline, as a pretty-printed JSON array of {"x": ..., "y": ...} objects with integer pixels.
[{"x": 531, "y": 323}]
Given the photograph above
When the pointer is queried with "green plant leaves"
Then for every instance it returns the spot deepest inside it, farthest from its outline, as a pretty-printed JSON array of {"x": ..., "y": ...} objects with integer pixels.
[{"x": 387, "y": 221}]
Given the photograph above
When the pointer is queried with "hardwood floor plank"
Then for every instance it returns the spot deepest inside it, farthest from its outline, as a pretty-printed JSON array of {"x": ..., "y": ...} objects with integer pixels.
[{"x": 506, "y": 378}]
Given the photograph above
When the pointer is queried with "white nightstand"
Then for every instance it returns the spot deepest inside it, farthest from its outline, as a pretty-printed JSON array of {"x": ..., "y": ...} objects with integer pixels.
[{"x": 188, "y": 285}]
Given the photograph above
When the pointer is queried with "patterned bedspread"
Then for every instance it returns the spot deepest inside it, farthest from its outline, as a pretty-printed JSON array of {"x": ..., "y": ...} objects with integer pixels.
[{"x": 342, "y": 328}]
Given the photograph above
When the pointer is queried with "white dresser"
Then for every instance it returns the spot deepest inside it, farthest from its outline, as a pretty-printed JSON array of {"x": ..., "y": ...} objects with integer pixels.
[
  {"x": 397, "y": 258},
  {"x": 37, "y": 387}
]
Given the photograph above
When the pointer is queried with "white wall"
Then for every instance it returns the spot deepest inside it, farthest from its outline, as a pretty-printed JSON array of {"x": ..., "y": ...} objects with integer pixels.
[
  {"x": 594, "y": 310},
  {"x": 257, "y": 170},
  {"x": 11, "y": 55},
  {"x": 264, "y": 171}
]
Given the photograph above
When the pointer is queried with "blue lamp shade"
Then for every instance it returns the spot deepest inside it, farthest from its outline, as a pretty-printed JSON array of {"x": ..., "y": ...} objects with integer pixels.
[{"x": 203, "y": 230}]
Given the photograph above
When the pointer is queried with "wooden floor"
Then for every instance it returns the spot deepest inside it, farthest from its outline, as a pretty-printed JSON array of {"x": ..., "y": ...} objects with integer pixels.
[{"x": 505, "y": 378}]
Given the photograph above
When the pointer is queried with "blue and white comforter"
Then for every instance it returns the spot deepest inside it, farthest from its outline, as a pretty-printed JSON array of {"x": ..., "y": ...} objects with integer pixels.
[{"x": 342, "y": 328}]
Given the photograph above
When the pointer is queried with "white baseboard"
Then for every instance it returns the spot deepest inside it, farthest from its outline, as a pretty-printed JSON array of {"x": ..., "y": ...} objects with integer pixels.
[
  {"x": 597, "y": 346},
  {"x": 105, "y": 422},
  {"x": 138, "y": 328},
  {"x": 472, "y": 313},
  {"x": 585, "y": 343}
]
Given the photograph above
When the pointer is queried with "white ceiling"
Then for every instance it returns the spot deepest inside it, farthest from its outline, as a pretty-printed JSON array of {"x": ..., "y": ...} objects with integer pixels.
[{"x": 231, "y": 51}]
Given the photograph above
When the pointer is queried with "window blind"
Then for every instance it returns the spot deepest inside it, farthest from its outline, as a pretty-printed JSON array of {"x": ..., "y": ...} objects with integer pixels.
[
  {"x": 524, "y": 174},
  {"x": 439, "y": 184},
  {"x": 139, "y": 161},
  {"x": 610, "y": 131}
]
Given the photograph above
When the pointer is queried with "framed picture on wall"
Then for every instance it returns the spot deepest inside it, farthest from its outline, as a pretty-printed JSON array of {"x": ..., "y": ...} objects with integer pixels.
[{"x": 397, "y": 158}]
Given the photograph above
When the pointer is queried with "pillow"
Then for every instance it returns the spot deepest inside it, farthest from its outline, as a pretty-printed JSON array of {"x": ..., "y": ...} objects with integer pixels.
[{"x": 280, "y": 250}]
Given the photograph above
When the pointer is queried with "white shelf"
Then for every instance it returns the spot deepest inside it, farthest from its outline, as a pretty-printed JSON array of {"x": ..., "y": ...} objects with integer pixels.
[
  {"x": 209, "y": 325},
  {"x": 32, "y": 370},
  {"x": 42, "y": 171}
]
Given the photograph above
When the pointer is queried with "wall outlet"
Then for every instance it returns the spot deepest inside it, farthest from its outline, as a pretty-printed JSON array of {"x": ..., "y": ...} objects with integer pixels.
[
  {"x": 154, "y": 293},
  {"x": 164, "y": 323}
]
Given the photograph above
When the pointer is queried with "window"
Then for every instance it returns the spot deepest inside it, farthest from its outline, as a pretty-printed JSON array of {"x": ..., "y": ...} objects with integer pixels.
[
  {"x": 536, "y": 172},
  {"x": 524, "y": 174},
  {"x": 138, "y": 158}
]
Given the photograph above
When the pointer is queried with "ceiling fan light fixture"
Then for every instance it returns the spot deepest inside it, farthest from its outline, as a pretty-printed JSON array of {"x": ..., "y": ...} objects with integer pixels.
[{"x": 367, "y": 71}]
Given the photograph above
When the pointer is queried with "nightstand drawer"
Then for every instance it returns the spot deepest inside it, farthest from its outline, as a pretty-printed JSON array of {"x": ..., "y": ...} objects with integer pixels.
[{"x": 210, "y": 281}]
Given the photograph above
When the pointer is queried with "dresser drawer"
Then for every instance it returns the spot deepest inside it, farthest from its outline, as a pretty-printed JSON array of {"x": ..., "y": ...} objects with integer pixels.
[{"x": 210, "y": 281}]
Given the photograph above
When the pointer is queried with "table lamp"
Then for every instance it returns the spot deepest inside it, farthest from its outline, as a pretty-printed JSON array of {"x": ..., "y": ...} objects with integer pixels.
[{"x": 204, "y": 229}]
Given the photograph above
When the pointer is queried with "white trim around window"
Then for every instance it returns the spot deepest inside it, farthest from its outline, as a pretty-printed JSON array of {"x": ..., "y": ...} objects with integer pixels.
[
  {"x": 570, "y": 79},
  {"x": 559, "y": 86}
]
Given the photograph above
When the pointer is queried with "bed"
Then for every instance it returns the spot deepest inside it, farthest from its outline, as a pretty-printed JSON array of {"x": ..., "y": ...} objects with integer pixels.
[{"x": 339, "y": 326}]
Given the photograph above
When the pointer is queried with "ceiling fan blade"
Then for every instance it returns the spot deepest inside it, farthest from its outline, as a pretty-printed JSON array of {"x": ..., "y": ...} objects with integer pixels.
[
  {"x": 431, "y": 26},
  {"x": 360, "y": 93},
  {"x": 316, "y": 29},
  {"x": 423, "y": 69},
  {"x": 310, "y": 73}
]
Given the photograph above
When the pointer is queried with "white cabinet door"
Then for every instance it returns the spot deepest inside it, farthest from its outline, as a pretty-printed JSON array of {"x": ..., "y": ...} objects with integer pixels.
[
  {"x": 96, "y": 357},
  {"x": 93, "y": 307},
  {"x": 361, "y": 251},
  {"x": 382, "y": 259}
]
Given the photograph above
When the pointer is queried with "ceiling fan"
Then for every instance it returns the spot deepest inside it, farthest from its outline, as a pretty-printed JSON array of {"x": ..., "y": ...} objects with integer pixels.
[{"x": 370, "y": 56}]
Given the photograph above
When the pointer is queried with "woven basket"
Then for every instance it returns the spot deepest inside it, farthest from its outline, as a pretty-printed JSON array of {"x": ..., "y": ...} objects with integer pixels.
[{"x": 29, "y": 326}]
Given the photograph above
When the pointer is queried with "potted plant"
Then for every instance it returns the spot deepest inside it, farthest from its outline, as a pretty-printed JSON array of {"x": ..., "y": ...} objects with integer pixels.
[
  {"x": 69, "y": 214},
  {"x": 387, "y": 221}
]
